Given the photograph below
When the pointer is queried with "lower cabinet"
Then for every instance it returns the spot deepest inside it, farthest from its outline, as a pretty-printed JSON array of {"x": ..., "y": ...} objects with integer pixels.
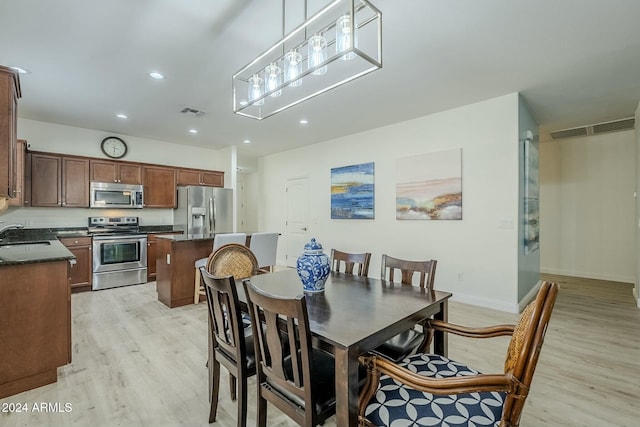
[
  {"x": 35, "y": 337},
  {"x": 82, "y": 271}
]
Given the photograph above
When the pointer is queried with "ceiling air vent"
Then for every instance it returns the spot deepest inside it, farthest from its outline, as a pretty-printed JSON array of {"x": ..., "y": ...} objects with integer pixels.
[
  {"x": 614, "y": 126},
  {"x": 568, "y": 133},
  {"x": 618, "y": 125},
  {"x": 193, "y": 112}
]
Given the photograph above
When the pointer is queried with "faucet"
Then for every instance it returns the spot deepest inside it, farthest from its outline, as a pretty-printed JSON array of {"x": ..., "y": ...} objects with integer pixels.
[{"x": 6, "y": 227}]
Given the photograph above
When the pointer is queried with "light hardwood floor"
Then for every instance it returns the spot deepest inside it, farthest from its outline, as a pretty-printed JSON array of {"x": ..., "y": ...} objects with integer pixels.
[{"x": 139, "y": 363}]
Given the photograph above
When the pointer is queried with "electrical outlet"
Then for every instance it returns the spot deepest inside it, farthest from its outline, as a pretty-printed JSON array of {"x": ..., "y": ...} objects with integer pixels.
[
  {"x": 460, "y": 277},
  {"x": 168, "y": 258}
]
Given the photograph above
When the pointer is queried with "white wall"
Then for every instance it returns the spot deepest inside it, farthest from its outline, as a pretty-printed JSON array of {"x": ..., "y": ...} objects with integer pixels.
[
  {"x": 636, "y": 293},
  {"x": 477, "y": 248},
  {"x": 587, "y": 211},
  {"x": 56, "y": 138}
]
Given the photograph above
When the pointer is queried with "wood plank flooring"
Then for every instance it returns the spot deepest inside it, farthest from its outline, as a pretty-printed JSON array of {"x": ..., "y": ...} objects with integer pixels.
[{"x": 139, "y": 363}]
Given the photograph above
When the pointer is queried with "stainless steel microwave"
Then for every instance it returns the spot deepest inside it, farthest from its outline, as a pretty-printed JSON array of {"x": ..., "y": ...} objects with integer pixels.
[{"x": 116, "y": 196}]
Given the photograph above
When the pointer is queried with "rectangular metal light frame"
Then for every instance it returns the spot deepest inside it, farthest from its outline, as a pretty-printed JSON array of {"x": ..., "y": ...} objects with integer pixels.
[{"x": 366, "y": 47}]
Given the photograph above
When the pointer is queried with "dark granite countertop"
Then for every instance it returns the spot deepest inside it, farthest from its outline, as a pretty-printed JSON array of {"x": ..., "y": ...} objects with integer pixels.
[
  {"x": 30, "y": 245},
  {"x": 186, "y": 237},
  {"x": 32, "y": 251}
]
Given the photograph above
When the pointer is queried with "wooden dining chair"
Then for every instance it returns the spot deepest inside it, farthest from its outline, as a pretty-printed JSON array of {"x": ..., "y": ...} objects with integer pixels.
[
  {"x": 350, "y": 261},
  {"x": 230, "y": 343},
  {"x": 429, "y": 389},
  {"x": 219, "y": 240},
  {"x": 410, "y": 340},
  {"x": 296, "y": 378}
]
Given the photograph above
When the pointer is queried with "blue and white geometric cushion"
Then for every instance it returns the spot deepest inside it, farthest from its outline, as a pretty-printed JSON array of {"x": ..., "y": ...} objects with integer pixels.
[{"x": 395, "y": 405}]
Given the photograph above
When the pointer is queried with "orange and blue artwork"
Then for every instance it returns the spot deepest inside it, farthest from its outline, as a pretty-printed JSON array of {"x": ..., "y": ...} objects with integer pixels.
[{"x": 352, "y": 192}]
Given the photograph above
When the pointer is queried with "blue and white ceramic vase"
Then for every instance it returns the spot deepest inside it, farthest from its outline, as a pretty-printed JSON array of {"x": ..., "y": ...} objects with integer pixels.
[{"x": 313, "y": 267}]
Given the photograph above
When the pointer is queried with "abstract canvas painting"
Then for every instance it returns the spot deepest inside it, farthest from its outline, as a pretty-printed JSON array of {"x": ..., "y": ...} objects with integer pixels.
[
  {"x": 352, "y": 192},
  {"x": 531, "y": 198},
  {"x": 429, "y": 186}
]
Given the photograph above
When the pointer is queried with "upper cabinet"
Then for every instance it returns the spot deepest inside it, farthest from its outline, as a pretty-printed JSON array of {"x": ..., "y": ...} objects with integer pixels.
[
  {"x": 21, "y": 150},
  {"x": 160, "y": 187},
  {"x": 200, "y": 177},
  {"x": 59, "y": 181},
  {"x": 9, "y": 94},
  {"x": 108, "y": 171}
]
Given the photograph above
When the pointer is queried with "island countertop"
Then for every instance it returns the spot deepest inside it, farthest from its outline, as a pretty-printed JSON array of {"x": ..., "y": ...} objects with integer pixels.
[{"x": 191, "y": 237}]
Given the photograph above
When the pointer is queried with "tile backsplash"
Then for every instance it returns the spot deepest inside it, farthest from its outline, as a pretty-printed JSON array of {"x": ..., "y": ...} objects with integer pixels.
[{"x": 72, "y": 217}]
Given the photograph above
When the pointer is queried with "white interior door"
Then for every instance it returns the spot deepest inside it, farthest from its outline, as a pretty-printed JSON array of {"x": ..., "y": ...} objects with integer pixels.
[{"x": 297, "y": 218}]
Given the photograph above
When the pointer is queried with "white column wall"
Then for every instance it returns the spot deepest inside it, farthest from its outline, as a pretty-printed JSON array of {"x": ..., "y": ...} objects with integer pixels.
[{"x": 477, "y": 256}]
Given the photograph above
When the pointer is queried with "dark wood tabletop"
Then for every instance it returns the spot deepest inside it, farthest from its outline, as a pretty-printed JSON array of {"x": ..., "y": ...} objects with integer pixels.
[{"x": 354, "y": 315}]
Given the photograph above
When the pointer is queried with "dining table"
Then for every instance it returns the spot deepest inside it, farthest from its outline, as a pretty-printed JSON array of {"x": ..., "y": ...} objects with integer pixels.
[{"x": 354, "y": 315}]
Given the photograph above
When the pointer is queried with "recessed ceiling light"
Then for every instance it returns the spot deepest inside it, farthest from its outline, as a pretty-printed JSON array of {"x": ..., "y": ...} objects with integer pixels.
[
  {"x": 246, "y": 141},
  {"x": 303, "y": 122},
  {"x": 21, "y": 70},
  {"x": 193, "y": 130},
  {"x": 156, "y": 75},
  {"x": 122, "y": 116}
]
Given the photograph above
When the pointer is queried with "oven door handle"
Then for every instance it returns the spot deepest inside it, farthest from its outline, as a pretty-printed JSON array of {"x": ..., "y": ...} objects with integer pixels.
[{"x": 120, "y": 239}]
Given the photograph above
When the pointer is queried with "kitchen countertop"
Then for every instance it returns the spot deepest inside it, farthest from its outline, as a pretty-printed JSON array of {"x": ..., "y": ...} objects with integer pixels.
[
  {"x": 32, "y": 251},
  {"x": 186, "y": 237},
  {"x": 30, "y": 245}
]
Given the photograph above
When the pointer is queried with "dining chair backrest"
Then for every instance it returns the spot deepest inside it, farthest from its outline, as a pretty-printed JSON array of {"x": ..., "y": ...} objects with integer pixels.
[
  {"x": 349, "y": 261},
  {"x": 265, "y": 247},
  {"x": 225, "y": 315},
  {"x": 222, "y": 239},
  {"x": 284, "y": 356},
  {"x": 232, "y": 259},
  {"x": 426, "y": 269}
]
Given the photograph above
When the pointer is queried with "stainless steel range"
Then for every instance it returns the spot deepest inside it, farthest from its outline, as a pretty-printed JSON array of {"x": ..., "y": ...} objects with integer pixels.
[{"x": 119, "y": 252}]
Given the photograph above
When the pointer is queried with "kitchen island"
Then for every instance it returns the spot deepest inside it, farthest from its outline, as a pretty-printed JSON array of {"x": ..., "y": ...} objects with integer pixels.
[
  {"x": 35, "y": 313},
  {"x": 175, "y": 270}
]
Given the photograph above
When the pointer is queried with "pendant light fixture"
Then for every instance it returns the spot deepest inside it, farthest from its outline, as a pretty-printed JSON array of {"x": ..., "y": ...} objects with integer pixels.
[{"x": 339, "y": 43}]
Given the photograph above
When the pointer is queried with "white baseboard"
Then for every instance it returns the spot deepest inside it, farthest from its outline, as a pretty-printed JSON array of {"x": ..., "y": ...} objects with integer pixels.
[
  {"x": 485, "y": 302},
  {"x": 588, "y": 275},
  {"x": 529, "y": 296}
]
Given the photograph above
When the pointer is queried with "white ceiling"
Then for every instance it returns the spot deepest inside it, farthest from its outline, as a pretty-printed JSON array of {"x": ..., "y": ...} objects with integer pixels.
[{"x": 575, "y": 62}]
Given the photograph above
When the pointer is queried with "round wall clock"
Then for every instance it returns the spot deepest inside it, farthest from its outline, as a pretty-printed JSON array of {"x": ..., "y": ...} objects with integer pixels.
[{"x": 113, "y": 147}]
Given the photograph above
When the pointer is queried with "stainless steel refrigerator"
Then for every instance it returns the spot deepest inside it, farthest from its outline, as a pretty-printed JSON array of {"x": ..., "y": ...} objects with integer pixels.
[{"x": 204, "y": 210}]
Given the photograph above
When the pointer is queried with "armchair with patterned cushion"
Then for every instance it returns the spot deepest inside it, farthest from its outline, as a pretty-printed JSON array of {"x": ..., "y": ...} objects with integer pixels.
[{"x": 432, "y": 390}]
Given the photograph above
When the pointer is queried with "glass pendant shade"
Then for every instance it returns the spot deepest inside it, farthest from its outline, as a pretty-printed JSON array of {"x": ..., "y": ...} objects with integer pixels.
[
  {"x": 293, "y": 68},
  {"x": 343, "y": 37},
  {"x": 311, "y": 59},
  {"x": 255, "y": 90},
  {"x": 317, "y": 53},
  {"x": 273, "y": 79}
]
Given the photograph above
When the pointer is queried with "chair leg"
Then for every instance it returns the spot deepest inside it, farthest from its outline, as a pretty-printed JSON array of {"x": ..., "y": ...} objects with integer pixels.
[
  {"x": 214, "y": 388},
  {"x": 242, "y": 400},
  {"x": 196, "y": 291},
  {"x": 261, "y": 416},
  {"x": 232, "y": 386}
]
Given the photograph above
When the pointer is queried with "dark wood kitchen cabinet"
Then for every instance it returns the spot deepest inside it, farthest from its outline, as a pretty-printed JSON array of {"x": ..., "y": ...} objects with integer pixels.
[
  {"x": 9, "y": 94},
  {"x": 123, "y": 173},
  {"x": 35, "y": 337},
  {"x": 82, "y": 271},
  {"x": 159, "y": 187},
  {"x": 200, "y": 177},
  {"x": 21, "y": 150},
  {"x": 59, "y": 181}
]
